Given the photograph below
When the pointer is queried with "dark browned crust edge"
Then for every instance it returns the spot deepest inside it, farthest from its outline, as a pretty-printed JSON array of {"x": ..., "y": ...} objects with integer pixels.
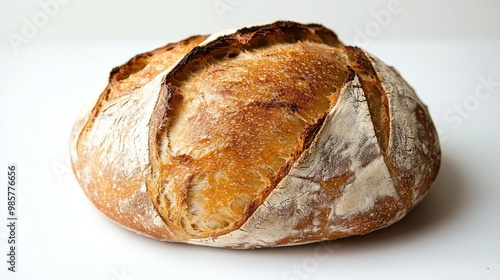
[
  {"x": 118, "y": 73},
  {"x": 135, "y": 64}
]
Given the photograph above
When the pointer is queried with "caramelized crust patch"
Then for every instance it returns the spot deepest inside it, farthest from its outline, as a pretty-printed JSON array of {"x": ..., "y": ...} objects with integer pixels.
[{"x": 235, "y": 121}]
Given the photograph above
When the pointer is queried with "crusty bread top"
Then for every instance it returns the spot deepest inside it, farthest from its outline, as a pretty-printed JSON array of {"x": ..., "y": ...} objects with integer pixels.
[
  {"x": 269, "y": 87},
  {"x": 236, "y": 113}
]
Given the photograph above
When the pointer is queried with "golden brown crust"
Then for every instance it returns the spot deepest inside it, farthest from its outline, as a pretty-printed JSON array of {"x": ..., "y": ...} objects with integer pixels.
[
  {"x": 271, "y": 135},
  {"x": 266, "y": 112}
]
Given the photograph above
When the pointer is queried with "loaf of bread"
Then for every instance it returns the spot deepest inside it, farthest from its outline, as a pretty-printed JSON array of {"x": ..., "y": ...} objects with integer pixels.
[{"x": 270, "y": 135}]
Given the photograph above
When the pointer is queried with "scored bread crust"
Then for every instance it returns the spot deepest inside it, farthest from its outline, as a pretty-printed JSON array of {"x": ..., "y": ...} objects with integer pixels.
[
  {"x": 358, "y": 148},
  {"x": 109, "y": 145}
]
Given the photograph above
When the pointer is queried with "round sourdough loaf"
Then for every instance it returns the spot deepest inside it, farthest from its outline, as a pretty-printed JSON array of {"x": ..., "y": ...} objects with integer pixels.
[{"x": 269, "y": 135}]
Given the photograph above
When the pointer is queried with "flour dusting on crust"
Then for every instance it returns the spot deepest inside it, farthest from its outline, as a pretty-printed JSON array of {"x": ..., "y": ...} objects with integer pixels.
[
  {"x": 347, "y": 136},
  {"x": 341, "y": 183}
]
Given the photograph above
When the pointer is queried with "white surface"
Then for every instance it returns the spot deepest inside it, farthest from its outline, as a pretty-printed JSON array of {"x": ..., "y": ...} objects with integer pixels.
[
  {"x": 453, "y": 234},
  {"x": 125, "y": 20}
]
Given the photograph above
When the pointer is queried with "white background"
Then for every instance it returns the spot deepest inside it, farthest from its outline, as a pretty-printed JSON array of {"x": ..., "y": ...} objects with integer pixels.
[{"x": 446, "y": 50}]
